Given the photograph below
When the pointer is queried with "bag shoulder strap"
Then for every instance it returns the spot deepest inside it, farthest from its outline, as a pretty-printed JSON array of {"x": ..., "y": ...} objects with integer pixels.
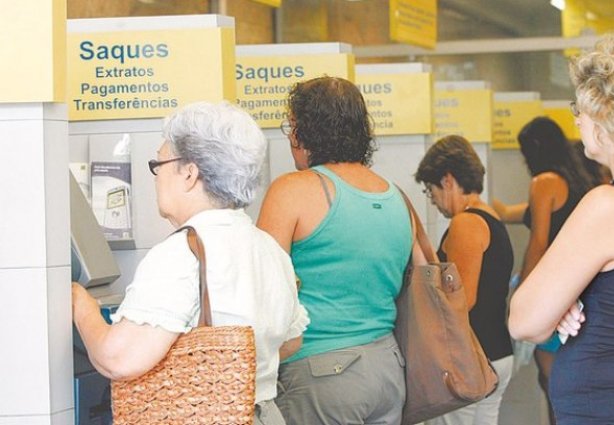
[
  {"x": 198, "y": 249},
  {"x": 420, "y": 235}
]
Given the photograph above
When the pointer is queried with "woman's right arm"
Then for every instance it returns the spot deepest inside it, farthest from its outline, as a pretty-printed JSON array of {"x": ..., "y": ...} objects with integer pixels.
[
  {"x": 582, "y": 248},
  {"x": 468, "y": 237},
  {"x": 279, "y": 215},
  {"x": 121, "y": 351},
  {"x": 290, "y": 347},
  {"x": 509, "y": 213},
  {"x": 280, "y": 208}
]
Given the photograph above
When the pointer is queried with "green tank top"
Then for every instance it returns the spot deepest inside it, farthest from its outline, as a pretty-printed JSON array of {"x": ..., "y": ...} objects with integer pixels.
[{"x": 351, "y": 268}]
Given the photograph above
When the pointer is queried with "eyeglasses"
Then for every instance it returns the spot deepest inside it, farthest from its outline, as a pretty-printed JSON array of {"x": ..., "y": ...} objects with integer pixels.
[
  {"x": 574, "y": 108},
  {"x": 285, "y": 127},
  {"x": 154, "y": 164},
  {"x": 428, "y": 191}
]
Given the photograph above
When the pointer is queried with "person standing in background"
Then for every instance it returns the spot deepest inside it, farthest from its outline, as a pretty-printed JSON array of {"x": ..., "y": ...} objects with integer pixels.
[
  {"x": 600, "y": 174},
  {"x": 559, "y": 182},
  {"x": 478, "y": 243},
  {"x": 580, "y": 264}
]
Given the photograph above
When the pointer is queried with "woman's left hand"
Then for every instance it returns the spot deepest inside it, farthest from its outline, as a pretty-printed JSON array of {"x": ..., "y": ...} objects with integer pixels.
[{"x": 572, "y": 321}]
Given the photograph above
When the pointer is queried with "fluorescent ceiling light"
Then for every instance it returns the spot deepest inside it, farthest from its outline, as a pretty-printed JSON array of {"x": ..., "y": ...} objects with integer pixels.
[
  {"x": 591, "y": 16},
  {"x": 559, "y": 4}
]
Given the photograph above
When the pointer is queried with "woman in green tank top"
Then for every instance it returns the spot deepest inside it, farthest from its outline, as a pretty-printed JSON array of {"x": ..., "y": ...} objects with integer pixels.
[{"x": 348, "y": 232}]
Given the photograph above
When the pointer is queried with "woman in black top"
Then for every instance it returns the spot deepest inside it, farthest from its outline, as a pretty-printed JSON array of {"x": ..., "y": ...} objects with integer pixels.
[
  {"x": 478, "y": 243},
  {"x": 599, "y": 173},
  {"x": 559, "y": 182}
]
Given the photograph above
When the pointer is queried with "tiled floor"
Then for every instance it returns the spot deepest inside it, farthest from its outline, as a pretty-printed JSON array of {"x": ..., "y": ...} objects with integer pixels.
[{"x": 523, "y": 401}]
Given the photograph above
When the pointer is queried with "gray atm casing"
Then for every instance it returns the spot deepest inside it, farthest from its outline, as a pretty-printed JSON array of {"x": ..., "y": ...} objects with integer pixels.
[{"x": 98, "y": 266}]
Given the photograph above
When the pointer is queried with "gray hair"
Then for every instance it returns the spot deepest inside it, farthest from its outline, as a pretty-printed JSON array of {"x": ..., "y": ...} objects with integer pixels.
[{"x": 226, "y": 145}]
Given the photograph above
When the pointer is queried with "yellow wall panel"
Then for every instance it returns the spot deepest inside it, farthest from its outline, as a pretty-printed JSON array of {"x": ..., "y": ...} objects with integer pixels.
[{"x": 33, "y": 51}]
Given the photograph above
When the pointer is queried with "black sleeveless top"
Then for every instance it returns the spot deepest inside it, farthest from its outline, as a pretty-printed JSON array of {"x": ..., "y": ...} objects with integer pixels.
[
  {"x": 488, "y": 316},
  {"x": 557, "y": 218}
]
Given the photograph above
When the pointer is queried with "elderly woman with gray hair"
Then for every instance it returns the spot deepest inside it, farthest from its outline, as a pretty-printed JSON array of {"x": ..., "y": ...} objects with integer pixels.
[{"x": 206, "y": 172}]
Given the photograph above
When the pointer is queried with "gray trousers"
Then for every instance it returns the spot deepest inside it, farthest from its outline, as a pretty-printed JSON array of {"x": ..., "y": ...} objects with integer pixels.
[{"x": 362, "y": 385}]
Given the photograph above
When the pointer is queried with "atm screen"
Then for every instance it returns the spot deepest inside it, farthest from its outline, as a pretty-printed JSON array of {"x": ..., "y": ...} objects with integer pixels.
[{"x": 116, "y": 198}]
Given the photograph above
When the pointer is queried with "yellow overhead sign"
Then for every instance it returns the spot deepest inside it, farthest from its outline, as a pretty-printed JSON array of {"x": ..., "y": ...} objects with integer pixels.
[
  {"x": 398, "y": 103},
  {"x": 509, "y": 118},
  {"x": 274, "y": 3},
  {"x": 147, "y": 73},
  {"x": 414, "y": 22},
  {"x": 263, "y": 82},
  {"x": 465, "y": 112},
  {"x": 33, "y": 51}
]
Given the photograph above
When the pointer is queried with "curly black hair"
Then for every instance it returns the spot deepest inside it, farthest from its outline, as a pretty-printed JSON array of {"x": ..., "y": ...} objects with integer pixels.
[
  {"x": 331, "y": 121},
  {"x": 452, "y": 154}
]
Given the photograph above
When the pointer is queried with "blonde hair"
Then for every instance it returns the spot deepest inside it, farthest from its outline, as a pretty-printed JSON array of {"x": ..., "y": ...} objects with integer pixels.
[{"x": 592, "y": 74}]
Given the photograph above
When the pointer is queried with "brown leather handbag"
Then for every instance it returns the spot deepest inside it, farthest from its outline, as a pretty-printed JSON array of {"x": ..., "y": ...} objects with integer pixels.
[
  {"x": 207, "y": 377},
  {"x": 446, "y": 367}
]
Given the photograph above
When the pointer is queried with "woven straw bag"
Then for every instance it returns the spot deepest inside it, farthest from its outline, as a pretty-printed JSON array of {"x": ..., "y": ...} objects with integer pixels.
[{"x": 207, "y": 377}]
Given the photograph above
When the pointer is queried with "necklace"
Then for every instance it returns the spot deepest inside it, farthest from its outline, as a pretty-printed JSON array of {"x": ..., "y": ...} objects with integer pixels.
[{"x": 471, "y": 203}]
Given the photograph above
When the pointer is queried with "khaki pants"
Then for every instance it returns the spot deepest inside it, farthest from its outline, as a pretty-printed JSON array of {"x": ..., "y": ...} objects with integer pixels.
[{"x": 357, "y": 385}]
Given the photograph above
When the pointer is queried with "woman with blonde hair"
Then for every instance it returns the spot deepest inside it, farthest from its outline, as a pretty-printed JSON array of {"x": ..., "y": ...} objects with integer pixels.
[{"x": 578, "y": 268}]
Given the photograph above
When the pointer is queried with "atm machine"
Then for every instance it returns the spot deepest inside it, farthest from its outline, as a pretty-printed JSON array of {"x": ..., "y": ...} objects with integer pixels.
[{"x": 92, "y": 264}]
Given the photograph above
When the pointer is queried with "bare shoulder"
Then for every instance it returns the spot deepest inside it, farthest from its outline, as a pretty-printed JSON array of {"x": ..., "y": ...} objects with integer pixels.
[
  {"x": 293, "y": 184},
  {"x": 546, "y": 185},
  {"x": 598, "y": 201},
  {"x": 594, "y": 214},
  {"x": 547, "y": 177},
  {"x": 546, "y": 181},
  {"x": 297, "y": 178},
  {"x": 469, "y": 226}
]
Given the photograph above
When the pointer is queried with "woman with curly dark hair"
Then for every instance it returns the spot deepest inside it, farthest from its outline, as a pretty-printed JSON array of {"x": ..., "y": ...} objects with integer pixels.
[{"x": 348, "y": 232}]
